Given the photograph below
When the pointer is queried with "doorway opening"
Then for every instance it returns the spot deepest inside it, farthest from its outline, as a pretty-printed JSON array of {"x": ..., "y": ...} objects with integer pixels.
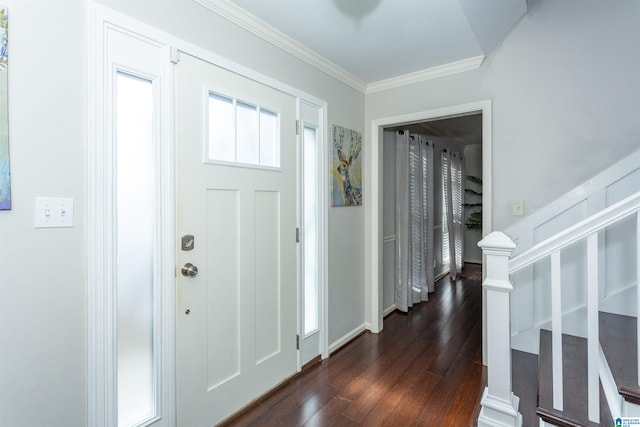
[
  {"x": 375, "y": 213},
  {"x": 460, "y": 135}
]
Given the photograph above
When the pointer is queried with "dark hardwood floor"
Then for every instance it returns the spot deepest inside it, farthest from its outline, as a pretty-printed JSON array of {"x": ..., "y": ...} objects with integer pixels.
[{"x": 424, "y": 369}]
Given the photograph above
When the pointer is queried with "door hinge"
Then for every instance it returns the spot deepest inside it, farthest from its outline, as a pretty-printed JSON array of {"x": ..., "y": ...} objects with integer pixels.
[
  {"x": 297, "y": 342},
  {"x": 297, "y": 234},
  {"x": 297, "y": 127}
]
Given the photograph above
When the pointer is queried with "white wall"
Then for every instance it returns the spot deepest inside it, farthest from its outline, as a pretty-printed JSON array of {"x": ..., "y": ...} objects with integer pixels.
[
  {"x": 42, "y": 271},
  {"x": 564, "y": 85}
]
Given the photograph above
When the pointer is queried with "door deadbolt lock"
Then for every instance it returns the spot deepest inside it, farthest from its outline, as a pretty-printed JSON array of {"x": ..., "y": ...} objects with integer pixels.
[
  {"x": 187, "y": 242},
  {"x": 189, "y": 270}
]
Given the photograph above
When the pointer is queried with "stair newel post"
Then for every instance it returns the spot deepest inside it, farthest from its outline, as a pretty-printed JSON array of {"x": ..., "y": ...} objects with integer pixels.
[{"x": 499, "y": 404}]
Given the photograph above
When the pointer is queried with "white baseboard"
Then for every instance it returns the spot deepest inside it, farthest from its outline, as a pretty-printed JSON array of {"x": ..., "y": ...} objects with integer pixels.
[
  {"x": 388, "y": 310},
  {"x": 473, "y": 261},
  {"x": 347, "y": 337},
  {"x": 621, "y": 301},
  {"x": 441, "y": 275}
]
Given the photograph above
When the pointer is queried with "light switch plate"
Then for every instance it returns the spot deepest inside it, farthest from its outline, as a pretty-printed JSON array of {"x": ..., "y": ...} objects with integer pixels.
[
  {"x": 53, "y": 212},
  {"x": 517, "y": 208}
]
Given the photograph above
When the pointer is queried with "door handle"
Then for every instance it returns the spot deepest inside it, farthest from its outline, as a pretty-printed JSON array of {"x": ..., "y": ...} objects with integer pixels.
[{"x": 189, "y": 270}]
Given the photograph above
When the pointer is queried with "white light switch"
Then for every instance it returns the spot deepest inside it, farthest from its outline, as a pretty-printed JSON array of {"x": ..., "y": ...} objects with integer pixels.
[
  {"x": 517, "y": 208},
  {"x": 53, "y": 212}
]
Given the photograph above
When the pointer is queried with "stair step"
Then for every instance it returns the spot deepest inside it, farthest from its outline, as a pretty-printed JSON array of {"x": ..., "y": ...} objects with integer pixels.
[
  {"x": 574, "y": 366},
  {"x": 618, "y": 340},
  {"x": 524, "y": 379}
]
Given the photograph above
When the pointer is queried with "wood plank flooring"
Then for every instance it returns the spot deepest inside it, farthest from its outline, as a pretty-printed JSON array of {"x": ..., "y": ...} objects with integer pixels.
[{"x": 424, "y": 369}]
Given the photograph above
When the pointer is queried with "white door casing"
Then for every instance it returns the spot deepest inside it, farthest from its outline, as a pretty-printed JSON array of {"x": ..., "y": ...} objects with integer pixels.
[
  {"x": 373, "y": 193},
  {"x": 236, "y": 319}
]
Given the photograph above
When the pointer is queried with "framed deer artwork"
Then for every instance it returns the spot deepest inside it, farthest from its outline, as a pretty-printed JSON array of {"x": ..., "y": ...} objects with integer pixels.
[{"x": 346, "y": 167}]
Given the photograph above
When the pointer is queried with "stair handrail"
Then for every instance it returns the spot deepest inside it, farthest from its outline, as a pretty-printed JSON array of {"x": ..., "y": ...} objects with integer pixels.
[
  {"x": 577, "y": 232},
  {"x": 499, "y": 406}
]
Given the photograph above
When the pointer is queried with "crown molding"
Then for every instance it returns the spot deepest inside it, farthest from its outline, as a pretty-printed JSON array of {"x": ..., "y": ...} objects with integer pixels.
[
  {"x": 249, "y": 22},
  {"x": 427, "y": 74},
  {"x": 256, "y": 26}
]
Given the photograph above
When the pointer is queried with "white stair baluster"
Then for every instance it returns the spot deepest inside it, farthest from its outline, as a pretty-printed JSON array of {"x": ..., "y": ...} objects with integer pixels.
[
  {"x": 593, "y": 338},
  {"x": 556, "y": 329}
]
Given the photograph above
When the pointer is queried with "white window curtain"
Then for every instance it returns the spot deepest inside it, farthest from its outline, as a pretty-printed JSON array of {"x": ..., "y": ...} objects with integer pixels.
[
  {"x": 414, "y": 220},
  {"x": 452, "y": 208}
]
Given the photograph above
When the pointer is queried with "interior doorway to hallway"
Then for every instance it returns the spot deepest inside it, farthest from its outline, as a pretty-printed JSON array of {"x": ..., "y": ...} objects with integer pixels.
[
  {"x": 461, "y": 135},
  {"x": 375, "y": 211}
]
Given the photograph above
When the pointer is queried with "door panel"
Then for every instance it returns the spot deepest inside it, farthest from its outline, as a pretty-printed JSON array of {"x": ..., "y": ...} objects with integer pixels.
[
  {"x": 236, "y": 322},
  {"x": 223, "y": 300},
  {"x": 267, "y": 285}
]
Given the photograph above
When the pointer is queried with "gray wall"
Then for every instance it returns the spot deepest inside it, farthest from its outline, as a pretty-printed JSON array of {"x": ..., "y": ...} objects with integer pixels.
[
  {"x": 564, "y": 85},
  {"x": 42, "y": 271}
]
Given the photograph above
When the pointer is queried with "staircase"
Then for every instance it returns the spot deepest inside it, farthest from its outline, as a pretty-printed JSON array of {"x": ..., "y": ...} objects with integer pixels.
[
  {"x": 583, "y": 368},
  {"x": 575, "y": 409},
  {"x": 619, "y": 342}
]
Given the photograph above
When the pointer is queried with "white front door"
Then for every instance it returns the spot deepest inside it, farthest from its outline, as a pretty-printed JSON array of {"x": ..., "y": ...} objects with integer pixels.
[{"x": 236, "y": 318}]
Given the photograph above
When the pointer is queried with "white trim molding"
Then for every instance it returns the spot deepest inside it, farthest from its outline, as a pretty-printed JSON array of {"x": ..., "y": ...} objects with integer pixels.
[
  {"x": 337, "y": 344},
  {"x": 254, "y": 25},
  {"x": 426, "y": 74}
]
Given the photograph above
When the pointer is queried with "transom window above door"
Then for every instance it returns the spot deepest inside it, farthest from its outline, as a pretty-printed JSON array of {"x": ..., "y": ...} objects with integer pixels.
[{"x": 242, "y": 133}]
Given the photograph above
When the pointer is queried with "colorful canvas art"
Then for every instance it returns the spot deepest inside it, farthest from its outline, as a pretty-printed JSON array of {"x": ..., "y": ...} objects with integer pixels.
[
  {"x": 5, "y": 177},
  {"x": 346, "y": 167}
]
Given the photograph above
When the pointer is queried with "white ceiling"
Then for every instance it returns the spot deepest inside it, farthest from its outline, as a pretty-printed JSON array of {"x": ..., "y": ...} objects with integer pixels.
[{"x": 378, "y": 40}]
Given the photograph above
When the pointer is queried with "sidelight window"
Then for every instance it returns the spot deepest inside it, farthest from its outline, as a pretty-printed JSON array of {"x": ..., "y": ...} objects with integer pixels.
[{"x": 135, "y": 263}]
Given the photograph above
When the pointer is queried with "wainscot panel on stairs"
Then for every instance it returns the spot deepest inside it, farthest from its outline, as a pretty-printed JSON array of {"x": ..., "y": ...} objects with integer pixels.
[{"x": 615, "y": 245}]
